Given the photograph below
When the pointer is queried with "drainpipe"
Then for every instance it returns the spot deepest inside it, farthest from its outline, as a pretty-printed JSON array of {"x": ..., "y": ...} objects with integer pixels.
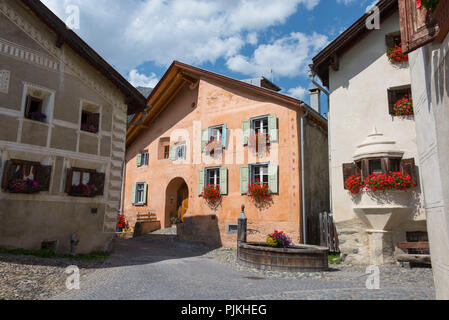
[
  {"x": 303, "y": 188},
  {"x": 312, "y": 75}
]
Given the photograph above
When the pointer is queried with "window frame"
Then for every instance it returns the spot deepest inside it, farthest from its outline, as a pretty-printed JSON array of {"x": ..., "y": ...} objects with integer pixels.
[
  {"x": 394, "y": 95},
  {"x": 183, "y": 148},
  {"x": 207, "y": 175},
  {"x": 37, "y": 92},
  {"x": 164, "y": 149},
  {"x": 93, "y": 112},
  {"x": 145, "y": 160},
  {"x": 252, "y": 176},
  {"x": 259, "y": 118},
  {"x": 140, "y": 203},
  {"x": 218, "y": 129}
]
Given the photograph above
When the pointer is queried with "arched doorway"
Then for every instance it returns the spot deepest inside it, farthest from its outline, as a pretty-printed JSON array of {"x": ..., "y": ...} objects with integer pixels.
[{"x": 176, "y": 200}]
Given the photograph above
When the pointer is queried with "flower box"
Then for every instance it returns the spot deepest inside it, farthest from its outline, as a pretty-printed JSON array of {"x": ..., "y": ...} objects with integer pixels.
[
  {"x": 403, "y": 107},
  {"x": 259, "y": 142},
  {"x": 395, "y": 54},
  {"x": 89, "y": 128},
  {"x": 38, "y": 116},
  {"x": 400, "y": 181},
  {"x": 82, "y": 190},
  {"x": 27, "y": 186},
  {"x": 211, "y": 193},
  {"x": 213, "y": 145},
  {"x": 260, "y": 192}
]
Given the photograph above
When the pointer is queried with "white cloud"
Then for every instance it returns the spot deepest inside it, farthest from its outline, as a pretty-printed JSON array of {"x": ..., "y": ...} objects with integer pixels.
[
  {"x": 287, "y": 56},
  {"x": 130, "y": 32},
  {"x": 140, "y": 80},
  {"x": 298, "y": 92}
]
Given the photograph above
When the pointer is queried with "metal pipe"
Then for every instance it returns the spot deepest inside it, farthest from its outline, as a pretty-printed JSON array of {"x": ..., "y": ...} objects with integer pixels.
[
  {"x": 304, "y": 229},
  {"x": 312, "y": 75}
]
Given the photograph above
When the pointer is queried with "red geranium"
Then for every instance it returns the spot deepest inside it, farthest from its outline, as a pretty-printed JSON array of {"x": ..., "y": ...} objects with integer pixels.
[
  {"x": 396, "y": 55},
  {"x": 211, "y": 193},
  {"x": 354, "y": 184},
  {"x": 259, "y": 191},
  {"x": 404, "y": 107}
]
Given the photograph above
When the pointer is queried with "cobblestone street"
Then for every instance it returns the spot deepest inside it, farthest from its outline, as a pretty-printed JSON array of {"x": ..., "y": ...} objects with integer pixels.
[{"x": 158, "y": 266}]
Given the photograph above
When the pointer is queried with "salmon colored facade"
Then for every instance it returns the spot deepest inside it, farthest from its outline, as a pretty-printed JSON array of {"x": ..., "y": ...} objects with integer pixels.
[{"x": 185, "y": 103}]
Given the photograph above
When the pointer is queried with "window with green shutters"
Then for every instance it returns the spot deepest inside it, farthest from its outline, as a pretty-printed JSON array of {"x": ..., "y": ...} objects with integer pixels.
[
  {"x": 260, "y": 125},
  {"x": 139, "y": 194},
  {"x": 213, "y": 176},
  {"x": 139, "y": 160},
  {"x": 267, "y": 173},
  {"x": 217, "y": 133},
  {"x": 142, "y": 159}
]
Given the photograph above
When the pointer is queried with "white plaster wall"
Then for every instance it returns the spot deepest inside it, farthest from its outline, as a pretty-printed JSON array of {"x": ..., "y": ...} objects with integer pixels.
[
  {"x": 359, "y": 101},
  {"x": 430, "y": 83}
]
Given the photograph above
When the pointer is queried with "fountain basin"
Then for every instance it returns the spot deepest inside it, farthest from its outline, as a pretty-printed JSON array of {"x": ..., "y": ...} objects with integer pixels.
[{"x": 299, "y": 258}]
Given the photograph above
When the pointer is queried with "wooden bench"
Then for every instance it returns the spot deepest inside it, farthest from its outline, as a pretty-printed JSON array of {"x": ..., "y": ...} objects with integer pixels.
[
  {"x": 150, "y": 216},
  {"x": 416, "y": 253}
]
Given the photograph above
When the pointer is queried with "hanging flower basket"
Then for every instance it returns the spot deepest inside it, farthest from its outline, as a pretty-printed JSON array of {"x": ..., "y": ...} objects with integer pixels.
[
  {"x": 23, "y": 186},
  {"x": 278, "y": 239},
  {"x": 395, "y": 55},
  {"x": 83, "y": 190},
  {"x": 403, "y": 107},
  {"x": 211, "y": 193},
  {"x": 259, "y": 191},
  {"x": 259, "y": 141}
]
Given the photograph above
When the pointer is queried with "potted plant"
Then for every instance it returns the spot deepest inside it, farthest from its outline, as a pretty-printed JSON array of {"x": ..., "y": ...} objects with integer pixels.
[
  {"x": 400, "y": 181},
  {"x": 278, "y": 239},
  {"x": 38, "y": 116},
  {"x": 354, "y": 184},
  {"x": 403, "y": 107},
  {"x": 395, "y": 54},
  {"x": 122, "y": 224}
]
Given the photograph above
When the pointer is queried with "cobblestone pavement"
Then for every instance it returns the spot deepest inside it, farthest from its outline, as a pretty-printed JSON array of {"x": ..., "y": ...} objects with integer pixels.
[
  {"x": 30, "y": 278},
  {"x": 158, "y": 266}
]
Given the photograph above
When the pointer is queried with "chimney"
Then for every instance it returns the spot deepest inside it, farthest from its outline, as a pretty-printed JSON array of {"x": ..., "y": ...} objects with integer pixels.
[{"x": 315, "y": 99}]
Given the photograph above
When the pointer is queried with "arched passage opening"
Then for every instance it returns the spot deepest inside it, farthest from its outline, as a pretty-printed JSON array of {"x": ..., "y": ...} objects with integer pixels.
[{"x": 176, "y": 200}]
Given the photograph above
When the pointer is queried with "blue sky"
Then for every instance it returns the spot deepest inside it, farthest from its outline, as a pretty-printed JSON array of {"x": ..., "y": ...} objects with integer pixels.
[{"x": 237, "y": 38}]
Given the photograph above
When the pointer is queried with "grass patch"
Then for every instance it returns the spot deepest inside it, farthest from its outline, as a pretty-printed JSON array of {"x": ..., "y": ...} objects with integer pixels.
[
  {"x": 334, "y": 258},
  {"x": 50, "y": 254}
]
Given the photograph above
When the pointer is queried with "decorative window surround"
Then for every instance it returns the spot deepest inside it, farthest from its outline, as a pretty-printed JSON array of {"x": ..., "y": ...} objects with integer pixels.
[
  {"x": 4, "y": 81},
  {"x": 46, "y": 95}
]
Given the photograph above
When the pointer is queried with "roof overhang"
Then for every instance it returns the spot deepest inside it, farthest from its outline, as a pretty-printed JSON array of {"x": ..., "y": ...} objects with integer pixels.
[{"x": 329, "y": 56}]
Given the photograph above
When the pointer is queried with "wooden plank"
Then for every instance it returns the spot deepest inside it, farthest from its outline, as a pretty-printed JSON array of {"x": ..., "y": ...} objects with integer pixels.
[{"x": 416, "y": 258}]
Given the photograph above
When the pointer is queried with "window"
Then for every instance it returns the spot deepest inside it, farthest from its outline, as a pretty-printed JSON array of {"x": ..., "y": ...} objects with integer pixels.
[
  {"x": 22, "y": 176},
  {"x": 393, "y": 39},
  {"x": 84, "y": 182},
  {"x": 145, "y": 158},
  {"x": 140, "y": 189},
  {"x": 139, "y": 194},
  {"x": 375, "y": 166},
  {"x": 4, "y": 81},
  {"x": 142, "y": 159},
  {"x": 216, "y": 133},
  {"x": 179, "y": 152},
  {"x": 260, "y": 125},
  {"x": 267, "y": 173},
  {"x": 213, "y": 176},
  {"x": 164, "y": 149},
  {"x": 396, "y": 94},
  {"x": 260, "y": 173},
  {"x": 90, "y": 117},
  {"x": 38, "y": 103}
]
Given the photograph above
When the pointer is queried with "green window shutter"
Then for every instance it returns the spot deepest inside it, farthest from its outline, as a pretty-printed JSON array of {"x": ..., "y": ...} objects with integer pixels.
[
  {"x": 145, "y": 193},
  {"x": 273, "y": 173},
  {"x": 173, "y": 153},
  {"x": 273, "y": 128},
  {"x": 133, "y": 194},
  {"x": 224, "y": 180},
  {"x": 139, "y": 160},
  {"x": 224, "y": 135},
  {"x": 200, "y": 182},
  {"x": 246, "y": 128},
  {"x": 204, "y": 138},
  {"x": 244, "y": 179}
]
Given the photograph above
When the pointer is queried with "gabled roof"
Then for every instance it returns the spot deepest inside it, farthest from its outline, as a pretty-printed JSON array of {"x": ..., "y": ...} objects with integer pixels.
[
  {"x": 134, "y": 99},
  {"x": 179, "y": 74},
  {"x": 329, "y": 56}
]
